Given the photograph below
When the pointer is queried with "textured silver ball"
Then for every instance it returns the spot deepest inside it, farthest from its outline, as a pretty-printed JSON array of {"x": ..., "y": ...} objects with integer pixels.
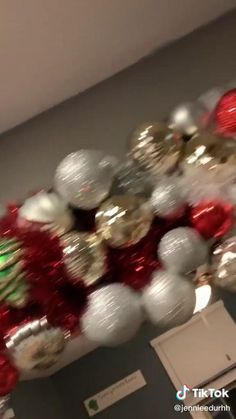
[
  {"x": 113, "y": 315},
  {"x": 182, "y": 250},
  {"x": 185, "y": 118},
  {"x": 84, "y": 178},
  {"x": 167, "y": 199},
  {"x": 169, "y": 299},
  {"x": 224, "y": 265}
]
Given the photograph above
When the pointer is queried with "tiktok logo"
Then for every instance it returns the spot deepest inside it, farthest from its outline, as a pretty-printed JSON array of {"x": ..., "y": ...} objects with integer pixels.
[{"x": 182, "y": 394}]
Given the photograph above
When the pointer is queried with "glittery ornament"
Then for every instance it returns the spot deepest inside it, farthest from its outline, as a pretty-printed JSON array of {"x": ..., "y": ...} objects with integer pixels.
[
  {"x": 224, "y": 265},
  {"x": 13, "y": 283},
  {"x": 155, "y": 147},
  {"x": 169, "y": 299},
  {"x": 186, "y": 118},
  {"x": 84, "y": 178},
  {"x": 212, "y": 218},
  {"x": 9, "y": 376},
  {"x": 84, "y": 257},
  {"x": 123, "y": 220},
  {"x": 35, "y": 345},
  {"x": 225, "y": 114},
  {"x": 46, "y": 211},
  {"x": 131, "y": 179},
  {"x": 167, "y": 199},
  {"x": 182, "y": 250},
  {"x": 113, "y": 315}
]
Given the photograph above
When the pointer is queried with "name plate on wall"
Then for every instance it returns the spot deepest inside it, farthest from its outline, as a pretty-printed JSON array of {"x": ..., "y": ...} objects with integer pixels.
[{"x": 114, "y": 393}]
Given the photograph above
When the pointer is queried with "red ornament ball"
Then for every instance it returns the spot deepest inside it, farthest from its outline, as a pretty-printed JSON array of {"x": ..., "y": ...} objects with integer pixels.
[
  {"x": 212, "y": 218},
  {"x": 225, "y": 114},
  {"x": 9, "y": 376}
]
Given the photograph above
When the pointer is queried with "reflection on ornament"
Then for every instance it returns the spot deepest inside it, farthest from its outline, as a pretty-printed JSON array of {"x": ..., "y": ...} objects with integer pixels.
[
  {"x": 182, "y": 250},
  {"x": 186, "y": 118},
  {"x": 130, "y": 179},
  {"x": 113, "y": 315},
  {"x": 84, "y": 178},
  {"x": 169, "y": 299},
  {"x": 167, "y": 199},
  {"x": 225, "y": 114},
  {"x": 35, "y": 345},
  {"x": 123, "y": 220},
  {"x": 224, "y": 264},
  {"x": 47, "y": 211},
  {"x": 84, "y": 257},
  {"x": 203, "y": 297},
  {"x": 155, "y": 147}
]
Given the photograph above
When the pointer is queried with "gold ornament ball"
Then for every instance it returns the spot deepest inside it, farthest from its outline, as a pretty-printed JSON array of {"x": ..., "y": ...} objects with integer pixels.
[
  {"x": 209, "y": 152},
  {"x": 156, "y": 147},
  {"x": 123, "y": 220}
]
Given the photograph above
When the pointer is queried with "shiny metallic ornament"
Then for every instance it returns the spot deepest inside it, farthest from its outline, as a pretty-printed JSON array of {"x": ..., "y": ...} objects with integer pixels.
[
  {"x": 35, "y": 345},
  {"x": 155, "y": 147},
  {"x": 167, "y": 199},
  {"x": 169, "y": 299},
  {"x": 224, "y": 265},
  {"x": 186, "y": 118},
  {"x": 182, "y": 250},
  {"x": 4, "y": 405},
  {"x": 123, "y": 220},
  {"x": 210, "y": 152},
  {"x": 209, "y": 99},
  {"x": 131, "y": 179},
  {"x": 113, "y": 315},
  {"x": 84, "y": 178},
  {"x": 84, "y": 257}
]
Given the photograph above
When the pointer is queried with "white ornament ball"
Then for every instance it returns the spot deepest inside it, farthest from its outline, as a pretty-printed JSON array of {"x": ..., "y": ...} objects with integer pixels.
[
  {"x": 169, "y": 299},
  {"x": 113, "y": 315},
  {"x": 185, "y": 118},
  {"x": 182, "y": 250},
  {"x": 84, "y": 178},
  {"x": 167, "y": 199}
]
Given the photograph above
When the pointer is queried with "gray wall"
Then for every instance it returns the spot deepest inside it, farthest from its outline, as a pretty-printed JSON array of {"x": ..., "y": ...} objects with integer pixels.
[{"x": 102, "y": 117}]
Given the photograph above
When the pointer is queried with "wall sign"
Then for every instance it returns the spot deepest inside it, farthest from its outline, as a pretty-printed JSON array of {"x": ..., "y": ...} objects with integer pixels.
[{"x": 114, "y": 393}]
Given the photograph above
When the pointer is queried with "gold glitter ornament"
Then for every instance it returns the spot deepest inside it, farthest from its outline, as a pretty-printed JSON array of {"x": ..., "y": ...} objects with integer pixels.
[
  {"x": 156, "y": 147},
  {"x": 123, "y": 220}
]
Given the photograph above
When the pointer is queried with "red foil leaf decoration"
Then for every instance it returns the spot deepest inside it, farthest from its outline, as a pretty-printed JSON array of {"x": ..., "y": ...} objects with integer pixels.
[{"x": 225, "y": 114}]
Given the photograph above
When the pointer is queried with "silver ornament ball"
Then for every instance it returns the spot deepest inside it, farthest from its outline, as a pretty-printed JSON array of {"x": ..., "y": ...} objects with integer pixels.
[
  {"x": 167, "y": 199},
  {"x": 84, "y": 178},
  {"x": 113, "y": 315},
  {"x": 182, "y": 250},
  {"x": 185, "y": 118},
  {"x": 224, "y": 265},
  {"x": 169, "y": 299}
]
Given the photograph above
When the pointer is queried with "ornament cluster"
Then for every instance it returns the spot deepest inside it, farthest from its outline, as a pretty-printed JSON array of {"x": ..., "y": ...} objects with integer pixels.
[{"x": 114, "y": 245}]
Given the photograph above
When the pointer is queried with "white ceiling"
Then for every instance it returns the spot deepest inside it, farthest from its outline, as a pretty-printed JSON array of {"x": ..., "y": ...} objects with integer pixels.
[{"x": 53, "y": 49}]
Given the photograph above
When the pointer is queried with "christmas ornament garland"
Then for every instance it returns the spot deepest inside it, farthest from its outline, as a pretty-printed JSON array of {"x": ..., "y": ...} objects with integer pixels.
[{"x": 114, "y": 245}]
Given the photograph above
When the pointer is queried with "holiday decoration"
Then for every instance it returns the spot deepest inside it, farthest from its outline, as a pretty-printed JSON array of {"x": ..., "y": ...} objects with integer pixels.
[
  {"x": 4, "y": 403},
  {"x": 8, "y": 376},
  {"x": 113, "y": 315},
  {"x": 186, "y": 118},
  {"x": 212, "y": 218},
  {"x": 167, "y": 199},
  {"x": 224, "y": 264},
  {"x": 169, "y": 300},
  {"x": 13, "y": 282},
  {"x": 84, "y": 257},
  {"x": 123, "y": 220},
  {"x": 35, "y": 345},
  {"x": 131, "y": 179},
  {"x": 46, "y": 211},
  {"x": 156, "y": 147},
  {"x": 182, "y": 250},
  {"x": 84, "y": 178},
  {"x": 225, "y": 114},
  {"x": 203, "y": 289}
]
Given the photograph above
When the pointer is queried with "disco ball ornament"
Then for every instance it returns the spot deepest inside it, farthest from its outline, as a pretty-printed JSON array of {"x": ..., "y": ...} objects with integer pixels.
[
  {"x": 186, "y": 118},
  {"x": 131, "y": 179},
  {"x": 182, "y": 250},
  {"x": 113, "y": 315},
  {"x": 123, "y": 220},
  {"x": 169, "y": 299},
  {"x": 224, "y": 265},
  {"x": 167, "y": 199},
  {"x": 47, "y": 211},
  {"x": 35, "y": 345},
  {"x": 225, "y": 114},
  {"x": 155, "y": 147},
  {"x": 84, "y": 178},
  {"x": 84, "y": 257}
]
